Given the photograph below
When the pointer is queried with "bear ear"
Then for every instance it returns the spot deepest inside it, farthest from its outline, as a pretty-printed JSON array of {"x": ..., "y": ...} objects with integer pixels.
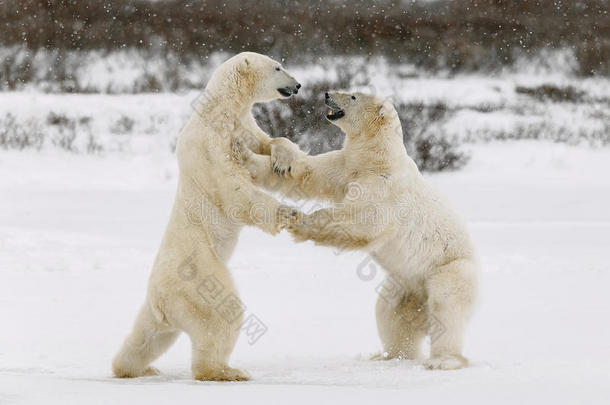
[
  {"x": 385, "y": 109},
  {"x": 243, "y": 65}
]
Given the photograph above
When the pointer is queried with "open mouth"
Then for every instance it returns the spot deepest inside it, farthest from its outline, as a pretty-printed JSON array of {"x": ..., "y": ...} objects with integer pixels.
[
  {"x": 285, "y": 92},
  {"x": 334, "y": 112}
]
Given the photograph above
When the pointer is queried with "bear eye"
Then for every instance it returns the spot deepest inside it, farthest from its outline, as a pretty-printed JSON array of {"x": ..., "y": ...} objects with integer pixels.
[
  {"x": 353, "y": 97},
  {"x": 277, "y": 68}
]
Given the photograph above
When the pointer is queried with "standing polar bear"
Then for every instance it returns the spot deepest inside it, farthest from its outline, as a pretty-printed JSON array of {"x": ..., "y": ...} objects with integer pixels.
[
  {"x": 190, "y": 289},
  {"x": 385, "y": 207}
]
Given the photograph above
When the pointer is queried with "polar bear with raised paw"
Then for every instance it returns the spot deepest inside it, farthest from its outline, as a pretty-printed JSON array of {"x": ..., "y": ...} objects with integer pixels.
[
  {"x": 190, "y": 289},
  {"x": 384, "y": 206}
]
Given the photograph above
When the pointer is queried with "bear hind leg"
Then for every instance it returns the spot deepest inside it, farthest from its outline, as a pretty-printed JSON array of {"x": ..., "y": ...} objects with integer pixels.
[
  {"x": 401, "y": 323},
  {"x": 212, "y": 342},
  {"x": 148, "y": 340},
  {"x": 213, "y": 333},
  {"x": 451, "y": 296}
]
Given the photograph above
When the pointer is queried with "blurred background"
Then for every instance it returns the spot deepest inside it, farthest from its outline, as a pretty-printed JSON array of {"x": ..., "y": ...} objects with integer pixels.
[{"x": 459, "y": 71}]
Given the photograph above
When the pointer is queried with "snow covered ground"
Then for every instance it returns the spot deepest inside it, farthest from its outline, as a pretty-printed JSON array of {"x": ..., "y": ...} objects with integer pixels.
[{"x": 78, "y": 235}]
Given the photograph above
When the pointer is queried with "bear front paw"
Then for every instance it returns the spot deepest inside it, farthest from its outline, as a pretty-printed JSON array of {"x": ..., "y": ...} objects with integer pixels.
[
  {"x": 283, "y": 155},
  {"x": 286, "y": 216},
  {"x": 300, "y": 231}
]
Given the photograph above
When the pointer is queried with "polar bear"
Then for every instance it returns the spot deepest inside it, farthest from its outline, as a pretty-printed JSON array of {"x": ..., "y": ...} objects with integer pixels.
[
  {"x": 190, "y": 289},
  {"x": 384, "y": 206}
]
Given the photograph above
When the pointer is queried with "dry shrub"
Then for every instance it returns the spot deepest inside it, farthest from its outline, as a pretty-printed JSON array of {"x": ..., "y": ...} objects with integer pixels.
[
  {"x": 552, "y": 93},
  {"x": 457, "y": 34}
]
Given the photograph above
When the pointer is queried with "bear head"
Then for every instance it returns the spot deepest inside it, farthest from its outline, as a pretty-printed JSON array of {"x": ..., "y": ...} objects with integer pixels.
[
  {"x": 360, "y": 114},
  {"x": 255, "y": 77}
]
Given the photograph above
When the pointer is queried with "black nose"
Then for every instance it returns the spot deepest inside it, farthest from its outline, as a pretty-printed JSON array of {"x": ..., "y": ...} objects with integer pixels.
[
  {"x": 326, "y": 95},
  {"x": 298, "y": 86}
]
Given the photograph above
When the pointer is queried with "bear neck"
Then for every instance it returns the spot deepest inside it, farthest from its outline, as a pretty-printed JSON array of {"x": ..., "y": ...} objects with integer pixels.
[
  {"x": 384, "y": 153},
  {"x": 229, "y": 104},
  {"x": 231, "y": 93}
]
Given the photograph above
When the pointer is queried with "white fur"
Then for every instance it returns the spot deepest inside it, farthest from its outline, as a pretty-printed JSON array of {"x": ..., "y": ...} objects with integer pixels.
[
  {"x": 383, "y": 205},
  {"x": 190, "y": 281}
]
